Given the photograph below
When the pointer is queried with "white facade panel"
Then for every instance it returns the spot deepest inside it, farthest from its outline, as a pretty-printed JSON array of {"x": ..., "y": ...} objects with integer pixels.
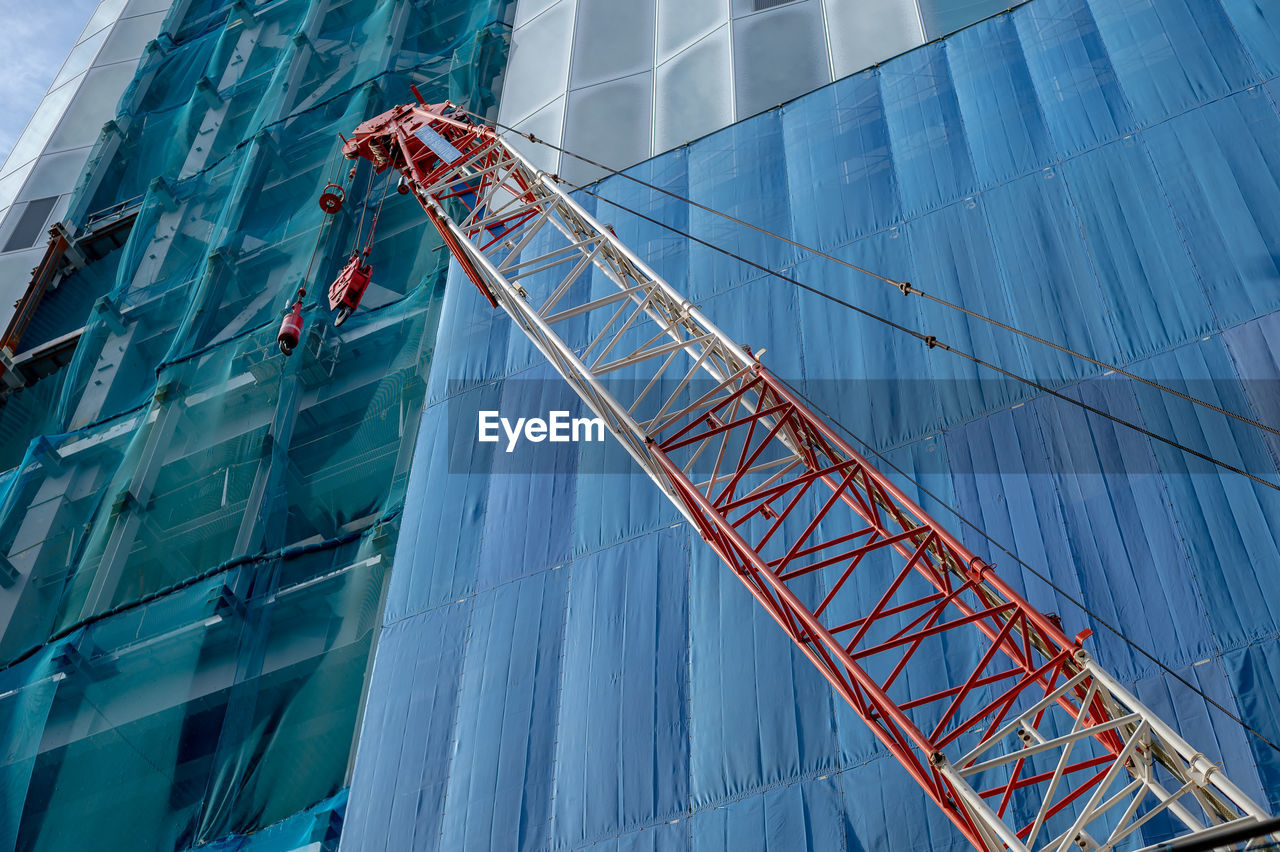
[
  {"x": 47, "y": 158},
  {"x": 714, "y": 62},
  {"x": 538, "y": 66},
  {"x": 863, "y": 34},
  {"x": 694, "y": 92},
  {"x": 778, "y": 54}
]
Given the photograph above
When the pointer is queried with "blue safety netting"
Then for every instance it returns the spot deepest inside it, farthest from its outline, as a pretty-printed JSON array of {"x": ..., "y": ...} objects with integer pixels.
[
  {"x": 196, "y": 532},
  {"x": 565, "y": 666}
]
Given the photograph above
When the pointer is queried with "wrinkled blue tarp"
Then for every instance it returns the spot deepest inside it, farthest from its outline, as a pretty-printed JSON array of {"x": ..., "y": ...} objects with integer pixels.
[{"x": 565, "y": 666}]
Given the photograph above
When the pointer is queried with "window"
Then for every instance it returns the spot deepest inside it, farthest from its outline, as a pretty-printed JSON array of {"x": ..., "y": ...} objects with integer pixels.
[{"x": 31, "y": 221}]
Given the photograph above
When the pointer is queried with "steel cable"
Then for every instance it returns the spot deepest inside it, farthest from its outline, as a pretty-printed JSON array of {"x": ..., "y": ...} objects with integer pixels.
[
  {"x": 905, "y": 287},
  {"x": 934, "y": 343}
]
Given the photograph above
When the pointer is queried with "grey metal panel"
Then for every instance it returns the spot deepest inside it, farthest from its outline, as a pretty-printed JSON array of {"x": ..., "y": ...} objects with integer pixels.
[
  {"x": 682, "y": 22},
  {"x": 694, "y": 92},
  {"x": 80, "y": 58},
  {"x": 527, "y": 10},
  {"x": 611, "y": 40},
  {"x": 93, "y": 105},
  {"x": 142, "y": 7},
  {"x": 54, "y": 174},
  {"x": 941, "y": 17},
  {"x": 107, "y": 13},
  {"x": 778, "y": 55},
  {"x": 15, "y": 274},
  {"x": 538, "y": 70},
  {"x": 41, "y": 126},
  {"x": 547, "y": 123},
  {"x": 608, "y": 123},
  {"x": 11, "y": 183},
  {"x": 863, "y": 34},
  {"x": 747, "y": 7},
  {"x": 128, "y": 37}
]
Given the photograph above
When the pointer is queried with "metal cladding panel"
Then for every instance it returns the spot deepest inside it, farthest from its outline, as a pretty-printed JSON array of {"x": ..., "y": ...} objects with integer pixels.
[{"x": 1105, "y": 174}]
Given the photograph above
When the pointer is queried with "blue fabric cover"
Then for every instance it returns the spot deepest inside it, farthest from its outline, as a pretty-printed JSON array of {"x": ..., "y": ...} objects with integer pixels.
[{"x": 565, "y": 666}]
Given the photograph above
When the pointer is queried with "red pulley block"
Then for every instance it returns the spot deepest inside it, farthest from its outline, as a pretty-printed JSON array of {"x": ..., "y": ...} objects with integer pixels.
[
  {"x": 291, "y": 329},
  {"x": 332, "y": 197},
  {"x": 348, "y": 287}
]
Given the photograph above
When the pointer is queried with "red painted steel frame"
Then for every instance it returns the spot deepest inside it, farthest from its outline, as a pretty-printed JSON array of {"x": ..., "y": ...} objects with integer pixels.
[
  {"x": 1036, "y": 653},
  {"x": 482, "y": 151}
]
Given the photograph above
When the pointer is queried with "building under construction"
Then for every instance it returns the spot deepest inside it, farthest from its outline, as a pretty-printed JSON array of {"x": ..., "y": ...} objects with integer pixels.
[{"x": 1026, "y": 259}]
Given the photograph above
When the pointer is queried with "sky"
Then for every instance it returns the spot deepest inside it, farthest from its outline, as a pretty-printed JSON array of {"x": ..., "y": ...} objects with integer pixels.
[{"x": 38, "y": 35}]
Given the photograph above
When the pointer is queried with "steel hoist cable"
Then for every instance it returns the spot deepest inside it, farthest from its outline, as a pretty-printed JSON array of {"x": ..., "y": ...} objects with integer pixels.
[
  {"x": 933, "y": 342},
  {"x": 906, "y": 287}
]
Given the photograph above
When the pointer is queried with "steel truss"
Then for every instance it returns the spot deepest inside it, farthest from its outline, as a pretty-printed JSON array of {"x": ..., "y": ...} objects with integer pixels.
[{"x": 1003, "y": 720}]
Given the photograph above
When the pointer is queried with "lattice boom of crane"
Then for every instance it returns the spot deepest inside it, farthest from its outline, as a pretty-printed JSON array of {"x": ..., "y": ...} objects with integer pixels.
[{"x": 1004, "y": 721}]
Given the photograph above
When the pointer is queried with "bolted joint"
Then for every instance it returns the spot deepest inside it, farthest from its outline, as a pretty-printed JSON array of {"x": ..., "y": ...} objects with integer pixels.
[
  {"x": 161, "y": 45},
  {"x": 8, "y": 574},
  {"x": 242, "y": 10},
  {"x": 10, "y": 376},
  {"x": 73, "y": 256},
  {"x": 167, "y": 390},
  {"x": 906, "y": 288},
  {"x": 48, "y": 456},
  {"x": 223, "y": 256},
  {"x": 223, "y": 603},
  {"x": 112, "y": 131},
  {"x": 1201, "y": 769},
  {"x": 122, "y": 502},
  {"x": 978, "y": 569},
  {"x": 159, "y": 187},
  {"x": 106, "y": 308},
  {"x": 209, "y": 92}
]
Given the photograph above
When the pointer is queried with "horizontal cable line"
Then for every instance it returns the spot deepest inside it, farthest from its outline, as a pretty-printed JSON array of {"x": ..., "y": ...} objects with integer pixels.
[
  {"x": 934, "y": 343},
  {"x": 906, "y": 287}
]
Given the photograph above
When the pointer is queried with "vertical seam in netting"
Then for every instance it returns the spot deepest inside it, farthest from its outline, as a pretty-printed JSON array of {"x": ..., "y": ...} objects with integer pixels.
[
  {"x": 555, "y": 739},
  {"x": 686, "y": 545},
  {"x": 1244, "y": 49},
  {"x": 470, "y": 603}
]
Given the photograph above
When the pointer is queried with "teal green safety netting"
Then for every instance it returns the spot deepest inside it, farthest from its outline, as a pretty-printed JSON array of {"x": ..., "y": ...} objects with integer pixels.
[{"x": 195, "y": 531}]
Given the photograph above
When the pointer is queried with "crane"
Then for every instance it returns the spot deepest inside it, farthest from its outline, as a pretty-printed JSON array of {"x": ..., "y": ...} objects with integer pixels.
[{"x": 1028, "y": 743}]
